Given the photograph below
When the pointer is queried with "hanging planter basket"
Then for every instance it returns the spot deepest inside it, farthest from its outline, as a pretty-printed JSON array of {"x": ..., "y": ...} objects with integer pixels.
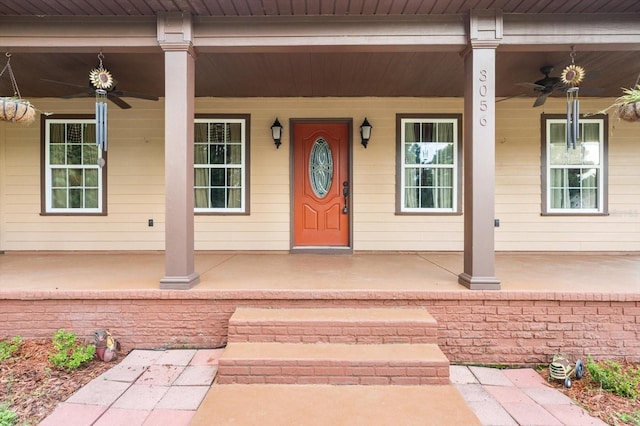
[
  {"x": 629, "y": 111},
  {"x": 16, "y": 110}
]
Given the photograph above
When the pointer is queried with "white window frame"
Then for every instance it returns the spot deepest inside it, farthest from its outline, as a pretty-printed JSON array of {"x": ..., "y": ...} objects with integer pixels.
[
  {"x": 601, "y": 167},
  {"x": 244, "y": 122},
  {"x": 48, "y": 169},
  {"x": 455, "y": 120}
]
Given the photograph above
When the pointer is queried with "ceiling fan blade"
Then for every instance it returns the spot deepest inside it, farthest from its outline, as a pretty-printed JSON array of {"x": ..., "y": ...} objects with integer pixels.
[
  {"x": 135, "y": 95},
  {"x": 510, "y": 97},
  {"x": 84, "y": 86},
  {"x": 531, "y": 86},
  {"x": 78, "y": 95},
  {"x": 116, "y": 100},
  {"x": 540, "y": 100}
]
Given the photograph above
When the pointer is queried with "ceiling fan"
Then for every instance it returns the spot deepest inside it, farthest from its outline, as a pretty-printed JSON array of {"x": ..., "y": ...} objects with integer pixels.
[
  {"x": 102, "y": 83},
  {"x": 545, "y": 86}
]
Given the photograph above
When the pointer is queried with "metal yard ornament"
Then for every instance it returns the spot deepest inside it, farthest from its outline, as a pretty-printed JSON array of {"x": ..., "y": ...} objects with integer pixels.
[{"x": 572, "y": 76}]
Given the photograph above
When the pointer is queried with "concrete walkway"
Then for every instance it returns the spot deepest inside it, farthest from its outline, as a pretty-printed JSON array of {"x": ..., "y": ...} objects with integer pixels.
[{"x": 176, "y": 387}]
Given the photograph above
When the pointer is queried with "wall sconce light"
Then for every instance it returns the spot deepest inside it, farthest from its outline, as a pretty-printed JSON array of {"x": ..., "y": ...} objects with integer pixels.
[
  {"x": 276, "y": 133},
  {"x": 365, "y": 132}
]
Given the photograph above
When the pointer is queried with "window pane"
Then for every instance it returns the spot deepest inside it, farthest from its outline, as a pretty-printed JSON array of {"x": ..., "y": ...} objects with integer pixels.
[
  {"x": 75, "y": 177},
  {"x": 574, "y": 156},
  {"x": 411, "y": 197},
  {"x": 426, "y": 198},
  {"x": 59, "y": 198},
  {"x": 57, "y": 154},
  {"x": 591, "y": 153},
  {"x": 200, "y": 132},
  {"x": 235, "y": 198},
  {"x": 91, "y": 198},
  {"x": 74, "y": 133},
  {"x": 216, "y": 132},
  {"x": 445, "y": 153},
  {"x": 90, "y": 154},
  {"x": 234, "y": 154},
  {"x": 412, "y": 176},
  {"x": 201, "y": 198},
  {"x": 217, "y": 177},
  {"x": 59, "y": 178},
  {"x": 426, "y": 177},
  {"x": 201, "y": 177},
  {"x": 445, "y": 198},
  {"x": 217, "y": 197},
  {"x": 216, "y": 154},
  {"x": 557, "y": 199},
  {"x": 590, "y": 198},
  {"x": 91, "y": 178},
  {"x": 445, "y": 132},
  {"x": 445, "y": 178},
  {"x": 235, "y": 133},
  {"x": 56, "y": 133},
  {"x": 74, "y": 154},
  {"x": 558, "y": 153},
  {"x": 411, "y": 132},
  {"x": 75, "y": 198},
  {"x": 235, "y": 177},
  {"x": 201, "y": 154},
  {"x": 90, "y": 134},
  {"x": 412, "y": 153}
]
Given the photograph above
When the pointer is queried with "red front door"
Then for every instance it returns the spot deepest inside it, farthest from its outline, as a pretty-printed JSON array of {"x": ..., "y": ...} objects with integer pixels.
[{"x": 321, "y": 184}]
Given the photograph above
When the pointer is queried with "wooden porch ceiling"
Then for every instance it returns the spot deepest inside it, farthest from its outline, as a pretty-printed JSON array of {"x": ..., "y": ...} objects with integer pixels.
[
  {"x": 310, "y": 73},
  {"x": 304, "y": 7},
  {"x": 384, "y": 74}
]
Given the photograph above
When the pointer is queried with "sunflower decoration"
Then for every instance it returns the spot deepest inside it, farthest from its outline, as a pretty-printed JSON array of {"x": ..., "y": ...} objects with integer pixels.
[
  {"x": 573, "y": 75},
  {"x": 100, "y": 78}
]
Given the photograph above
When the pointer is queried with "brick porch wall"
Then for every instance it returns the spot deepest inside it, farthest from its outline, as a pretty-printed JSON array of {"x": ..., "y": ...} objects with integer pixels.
[{"x": 511, "y": 328}]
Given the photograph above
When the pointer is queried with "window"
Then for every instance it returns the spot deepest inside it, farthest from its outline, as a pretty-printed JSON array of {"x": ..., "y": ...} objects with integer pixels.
[
  {"x": 428, "y": 176},
  {"x": 73, "y": 181},
  {"x": 221, "y": 163},
  {"x": 574, "y": 178}
]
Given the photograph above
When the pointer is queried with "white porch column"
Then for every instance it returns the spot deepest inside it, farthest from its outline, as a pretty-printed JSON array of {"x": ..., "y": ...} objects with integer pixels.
[
  {"x": 485, "y": 32},
  {"x": 175, "y": 38}
]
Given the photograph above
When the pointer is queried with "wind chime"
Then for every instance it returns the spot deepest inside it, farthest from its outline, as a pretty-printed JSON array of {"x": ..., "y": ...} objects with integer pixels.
[
  {"x": 102, "y": 80},
  {"x": 572, "y": 76}
]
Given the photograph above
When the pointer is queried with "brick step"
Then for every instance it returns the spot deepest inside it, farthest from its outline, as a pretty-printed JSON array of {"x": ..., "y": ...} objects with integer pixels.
[
  {"x": 333, "y": 363},
  {"x": 333, "y": 325}
]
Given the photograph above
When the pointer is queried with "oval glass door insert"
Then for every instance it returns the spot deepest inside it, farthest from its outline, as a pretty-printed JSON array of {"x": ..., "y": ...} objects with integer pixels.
[{"x": 320, "y": 168}]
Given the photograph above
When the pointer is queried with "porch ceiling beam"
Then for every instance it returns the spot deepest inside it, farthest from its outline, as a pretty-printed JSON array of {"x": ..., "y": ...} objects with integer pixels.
[
  {"x": 85, "y": 34},
  {"x": 324, "y": 33},
  {"x": 558, "y": 32}
]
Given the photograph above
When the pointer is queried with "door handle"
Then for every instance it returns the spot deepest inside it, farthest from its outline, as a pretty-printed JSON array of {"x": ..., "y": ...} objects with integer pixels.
[{"x": 345, "y": 194}]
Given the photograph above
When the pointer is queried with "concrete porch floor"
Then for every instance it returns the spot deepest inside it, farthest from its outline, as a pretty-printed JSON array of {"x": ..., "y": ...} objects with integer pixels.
[{"x": 380, "y": 272}]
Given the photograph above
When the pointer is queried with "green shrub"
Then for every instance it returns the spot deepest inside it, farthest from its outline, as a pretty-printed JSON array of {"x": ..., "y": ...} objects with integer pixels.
[
  {"x": 7, "y": 417},
  {"x": 9, "y": 347},
  {"x": 69, "y": 353},
  {"x": 613, "y": 378},
  {"x": 630, "y": 418}
]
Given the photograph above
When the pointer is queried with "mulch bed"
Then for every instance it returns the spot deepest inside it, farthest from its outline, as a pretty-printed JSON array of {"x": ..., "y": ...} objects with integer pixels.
[
  {"x": 33, "y": 388},
  {"x": 599, "y": 403}
]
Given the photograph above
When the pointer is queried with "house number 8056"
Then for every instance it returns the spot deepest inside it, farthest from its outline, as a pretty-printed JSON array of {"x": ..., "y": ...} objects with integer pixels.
[{"x": 483, "y": 95}]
